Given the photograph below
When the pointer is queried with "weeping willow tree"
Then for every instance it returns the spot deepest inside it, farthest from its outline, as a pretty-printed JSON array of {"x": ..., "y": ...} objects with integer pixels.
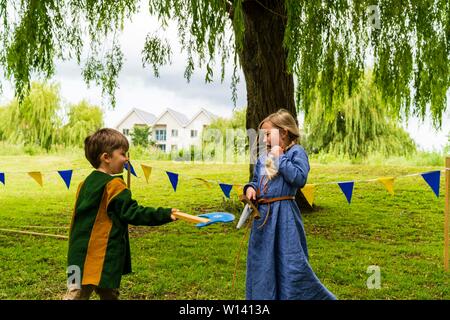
[
  {"x": 359, "y": 126},
  {"x": 320, "y": 44},
  {"x": 447, "y": 147},
  {"x": 36, "y": 122},
  {"x": 83, "y": 120},
  {"x": 3, "y": 115}
]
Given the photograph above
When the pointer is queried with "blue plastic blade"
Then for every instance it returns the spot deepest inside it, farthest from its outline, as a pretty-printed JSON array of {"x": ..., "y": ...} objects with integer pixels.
[{"x": 215, "y": 217}]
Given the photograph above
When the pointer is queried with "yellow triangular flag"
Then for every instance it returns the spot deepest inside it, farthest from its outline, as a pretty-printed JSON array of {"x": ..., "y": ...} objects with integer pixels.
[
  {"x": 206, "y": 182},
  {"x": 239, "y": 188},
  {"x": 308, "y": 192},
  {"x": 388, "y": 183},
  {"x": 37, "y": 176},
  {"x": 147, "y": 171}
]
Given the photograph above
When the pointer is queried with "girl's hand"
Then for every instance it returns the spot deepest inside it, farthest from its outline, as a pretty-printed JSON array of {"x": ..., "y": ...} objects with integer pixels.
[
  {"x": 250, "y": 193},
  {"x": 276, "y": 151}
]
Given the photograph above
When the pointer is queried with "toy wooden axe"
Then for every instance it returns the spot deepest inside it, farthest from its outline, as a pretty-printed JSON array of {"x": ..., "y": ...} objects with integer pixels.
[
  {"x": 206, "y": 219},
  {"x": 249, "y": 209}
]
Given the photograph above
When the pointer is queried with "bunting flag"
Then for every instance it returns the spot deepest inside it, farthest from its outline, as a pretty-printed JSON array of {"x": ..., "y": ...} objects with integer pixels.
[
  {"x": 239, "y": 189},
  {"x": 308, "y": 192},
  {"x": 226, "y": 188},
  {"x": 37, "y": 176},
  {"x": 147, "y": 171},
  {"x": 433, "y": 178},
  {"x": 132, "y": 169},
  {"x": 173, "y": 177},
  {"x": 206, "y": 182},
  {"x": 347, "y": 189},
  {"x": 66, "y": 175},
  {"x": 388, "y": 183}
]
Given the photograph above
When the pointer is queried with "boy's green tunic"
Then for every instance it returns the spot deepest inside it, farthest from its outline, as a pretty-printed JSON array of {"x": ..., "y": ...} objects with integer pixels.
[{"x": 98, "y": 241}]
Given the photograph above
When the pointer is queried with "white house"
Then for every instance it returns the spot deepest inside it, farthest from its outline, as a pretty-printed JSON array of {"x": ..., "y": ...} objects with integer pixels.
[{"x": 172, "y": 130}]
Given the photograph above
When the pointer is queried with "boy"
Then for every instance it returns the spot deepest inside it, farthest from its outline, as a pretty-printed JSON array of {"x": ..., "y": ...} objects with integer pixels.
[{"x": 99, "y": 249}]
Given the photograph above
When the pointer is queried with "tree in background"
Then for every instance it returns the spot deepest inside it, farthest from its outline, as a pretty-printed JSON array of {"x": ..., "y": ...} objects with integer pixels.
[
  {"x": 83, "y": 120},
  {"x": 323, "y": 44},
  {"x": 35, "y": 121},
  {"x": 359, "y": 126},
  {"x": 3, "y": 117},
  {"x": 447, "y": 147},
  {"x": 140, "y": 135}
]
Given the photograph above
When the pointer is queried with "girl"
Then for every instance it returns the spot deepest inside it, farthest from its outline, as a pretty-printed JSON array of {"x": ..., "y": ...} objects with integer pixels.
[{"x": 277, "y": 263}]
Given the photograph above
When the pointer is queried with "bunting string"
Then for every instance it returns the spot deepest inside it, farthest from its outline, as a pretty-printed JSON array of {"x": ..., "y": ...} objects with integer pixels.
[{"x": 432, "y": 178}]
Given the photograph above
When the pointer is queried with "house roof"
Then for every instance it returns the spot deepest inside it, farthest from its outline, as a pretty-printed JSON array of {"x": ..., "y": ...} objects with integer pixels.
[
  {"x": 210, "y": 115},
  {"x": 151, "y": 120},
  {"x": 179, "y": 117},
  {"x": 145, "y": 116}
]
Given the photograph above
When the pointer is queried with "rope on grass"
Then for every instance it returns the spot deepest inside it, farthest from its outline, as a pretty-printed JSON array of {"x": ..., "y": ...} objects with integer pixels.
[{"x": 35, "y": 233}]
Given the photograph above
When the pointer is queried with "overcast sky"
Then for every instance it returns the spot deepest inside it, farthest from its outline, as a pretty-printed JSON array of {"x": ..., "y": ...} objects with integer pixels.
[{"x": 140, "y": 89}]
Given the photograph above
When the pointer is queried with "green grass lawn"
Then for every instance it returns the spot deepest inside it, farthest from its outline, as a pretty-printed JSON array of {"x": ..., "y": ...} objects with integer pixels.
[{"x": 402, "y": 234}]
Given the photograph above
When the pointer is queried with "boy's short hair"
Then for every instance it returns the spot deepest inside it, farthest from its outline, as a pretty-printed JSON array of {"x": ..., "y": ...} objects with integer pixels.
[{"x": 104, "y": 140}]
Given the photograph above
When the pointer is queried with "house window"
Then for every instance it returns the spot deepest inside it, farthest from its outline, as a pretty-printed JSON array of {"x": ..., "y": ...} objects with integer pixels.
[
  {"x": 162, "y": 147},
  {"x": 174, "y": 147},
  {"x": 126, "y": 132},
  {"x": 194, "y": 133},
  {"x": 160, "y": 135},
  {"x": 174, "y": 133}
]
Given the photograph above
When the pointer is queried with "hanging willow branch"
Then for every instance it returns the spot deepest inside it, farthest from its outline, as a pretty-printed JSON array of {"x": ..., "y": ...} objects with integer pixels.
[{"x": 328, "y": 44}]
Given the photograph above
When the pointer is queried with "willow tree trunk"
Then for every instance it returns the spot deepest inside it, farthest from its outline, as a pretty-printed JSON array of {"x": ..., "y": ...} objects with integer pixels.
[{"x": 263, "y": 59}]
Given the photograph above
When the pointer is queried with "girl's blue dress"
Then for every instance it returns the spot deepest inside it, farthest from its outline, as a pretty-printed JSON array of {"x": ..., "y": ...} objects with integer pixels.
[{"x": 277, "y": 262}]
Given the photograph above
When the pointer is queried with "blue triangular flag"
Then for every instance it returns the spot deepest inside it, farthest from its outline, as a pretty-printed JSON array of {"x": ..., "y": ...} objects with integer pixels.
[
  {"x": 66, "y": 175},
  {"x": 2, "y": 177},
  {"x": 347, "y": 189},
  {"x": 433, "y": 178},
  {"x": 132, "y": 169},
  {"x": 226, "y": 188},
  {"x": 173, "y": 177}
]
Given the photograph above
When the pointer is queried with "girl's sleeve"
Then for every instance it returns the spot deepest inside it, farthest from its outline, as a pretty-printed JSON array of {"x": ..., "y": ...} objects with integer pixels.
[
  {"x": 129, "y": 211},
  {"x": 254, "y": 182},
  {"x": 295, "y": 170}
]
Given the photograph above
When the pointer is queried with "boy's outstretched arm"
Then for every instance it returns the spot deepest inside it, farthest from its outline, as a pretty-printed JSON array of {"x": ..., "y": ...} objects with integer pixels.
[{"x": 129, "y": 211}]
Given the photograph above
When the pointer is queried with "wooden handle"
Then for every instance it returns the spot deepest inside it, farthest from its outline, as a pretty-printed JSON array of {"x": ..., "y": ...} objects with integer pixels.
[
  {"x": 189, "y": 217},
  {"x": 246, "y": 200}
]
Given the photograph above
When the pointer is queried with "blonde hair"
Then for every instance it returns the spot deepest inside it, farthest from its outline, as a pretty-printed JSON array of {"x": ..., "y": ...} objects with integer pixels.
[{"x": 282, "y": 120}]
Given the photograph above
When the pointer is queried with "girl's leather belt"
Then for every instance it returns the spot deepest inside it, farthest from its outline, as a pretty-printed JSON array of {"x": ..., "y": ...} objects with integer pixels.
[{"x": 270, "y": 200}]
